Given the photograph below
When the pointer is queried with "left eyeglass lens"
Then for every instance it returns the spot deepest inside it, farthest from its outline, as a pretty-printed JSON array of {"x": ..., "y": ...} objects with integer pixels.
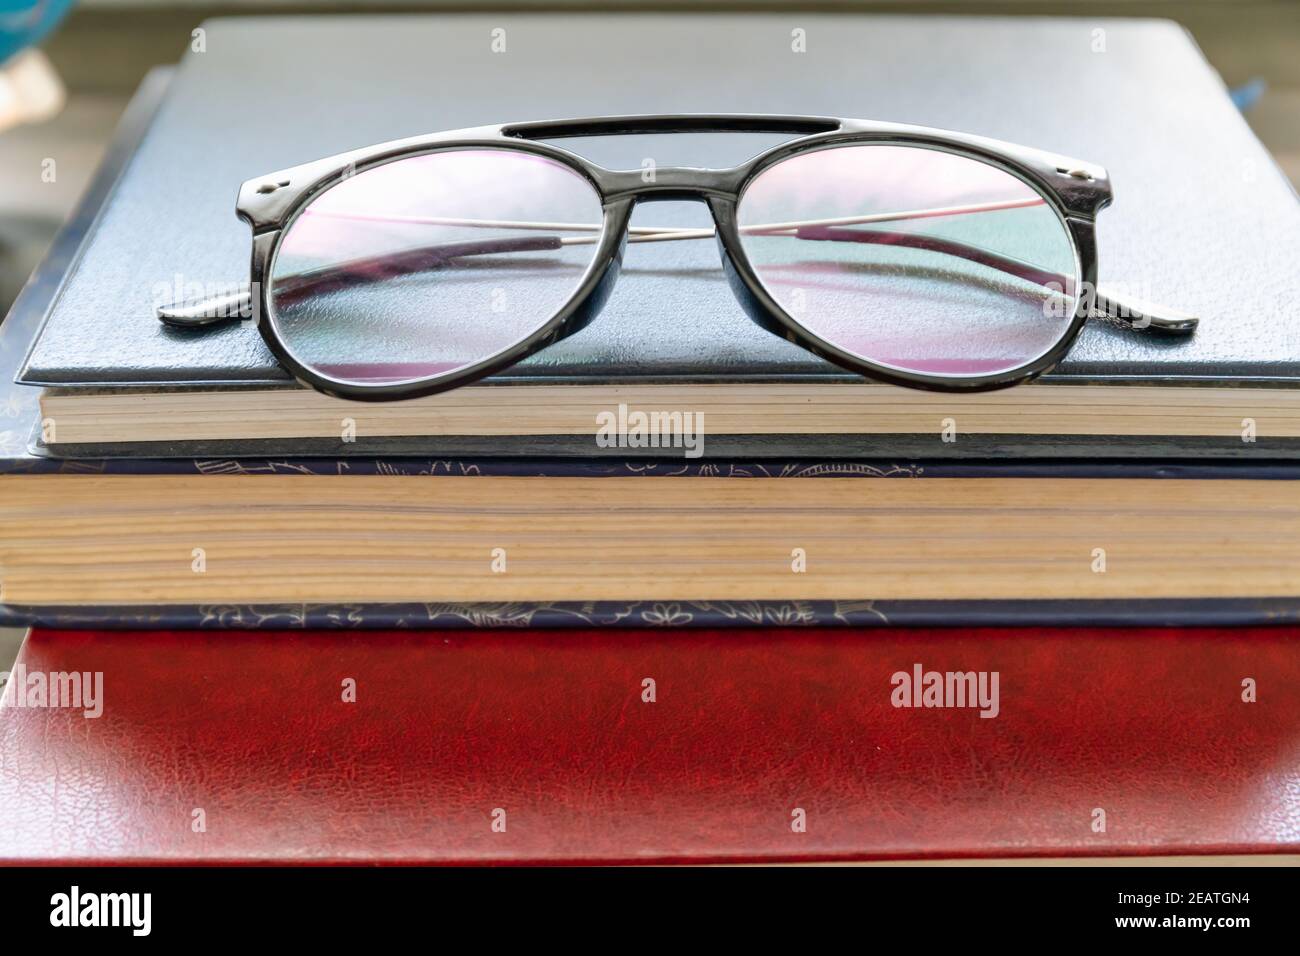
[
  {"x": 913, "y": 259},
  {"x": 410, "y": 271}
]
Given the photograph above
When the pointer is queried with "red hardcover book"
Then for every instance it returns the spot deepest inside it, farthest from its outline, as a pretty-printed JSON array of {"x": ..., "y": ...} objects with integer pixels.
[{"x": 591, "y": 746}]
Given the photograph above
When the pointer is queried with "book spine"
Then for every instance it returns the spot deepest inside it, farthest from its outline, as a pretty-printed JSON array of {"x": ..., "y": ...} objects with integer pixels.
[
  {"x": 412, "y": 466},
  {"x": 671, "y": 614}
]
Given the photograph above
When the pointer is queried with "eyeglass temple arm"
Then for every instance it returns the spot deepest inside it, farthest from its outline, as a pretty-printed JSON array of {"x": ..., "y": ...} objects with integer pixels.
[
  {"x": 239, "y": 304},
  {"x": 1140, "y": 314},
  {"x": 1131, "y": 311}
]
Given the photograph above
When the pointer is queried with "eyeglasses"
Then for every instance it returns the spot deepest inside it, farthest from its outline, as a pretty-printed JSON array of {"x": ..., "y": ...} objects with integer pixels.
[{"x": 913, "y": 256}]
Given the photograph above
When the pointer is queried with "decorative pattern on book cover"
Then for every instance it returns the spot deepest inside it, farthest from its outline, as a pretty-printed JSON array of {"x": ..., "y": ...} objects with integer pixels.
[{"x": 1221, "y": 612}]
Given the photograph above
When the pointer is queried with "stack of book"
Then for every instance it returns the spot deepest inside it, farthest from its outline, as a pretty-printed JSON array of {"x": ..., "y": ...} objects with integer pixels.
[{"x": 158, "y": 479}]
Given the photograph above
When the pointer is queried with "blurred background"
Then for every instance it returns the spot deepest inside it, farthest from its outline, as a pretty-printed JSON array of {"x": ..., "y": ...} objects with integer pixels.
[{"x": 68, "y": 69}]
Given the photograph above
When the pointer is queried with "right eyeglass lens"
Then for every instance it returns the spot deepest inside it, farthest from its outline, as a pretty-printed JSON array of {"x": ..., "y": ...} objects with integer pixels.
[{"x": 911, "y": 258}]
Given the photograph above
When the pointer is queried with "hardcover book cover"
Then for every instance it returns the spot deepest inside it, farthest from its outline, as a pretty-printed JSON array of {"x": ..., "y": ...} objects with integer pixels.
[
  {"x": 1215, "y": 240},
  {"x": 1202, "y": 219},
  {"x": 647, "y": 746}
]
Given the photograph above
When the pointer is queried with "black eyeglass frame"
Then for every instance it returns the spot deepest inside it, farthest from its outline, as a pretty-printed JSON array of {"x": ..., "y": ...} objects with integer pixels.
[{"x": 1075, "y": 190}]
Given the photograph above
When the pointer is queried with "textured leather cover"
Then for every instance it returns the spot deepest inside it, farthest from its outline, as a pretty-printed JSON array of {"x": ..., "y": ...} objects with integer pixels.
[
  {"x": 746, "y": 728},
  {"x": 1203, "y": 220}
]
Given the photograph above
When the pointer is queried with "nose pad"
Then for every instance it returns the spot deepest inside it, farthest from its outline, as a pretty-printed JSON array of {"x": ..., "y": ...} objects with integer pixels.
[
  {"x": 723, "y": 216},
  {"x": 745, "y": 296},
  {"x": 738, "y": 287},
  {"x": 595, "y": 302}
]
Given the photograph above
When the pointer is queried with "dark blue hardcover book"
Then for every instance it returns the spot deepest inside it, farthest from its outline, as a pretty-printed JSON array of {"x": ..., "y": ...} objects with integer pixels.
[
  {"x": 25, "y": 456},
  {"x": 1216, "y": 233}
]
